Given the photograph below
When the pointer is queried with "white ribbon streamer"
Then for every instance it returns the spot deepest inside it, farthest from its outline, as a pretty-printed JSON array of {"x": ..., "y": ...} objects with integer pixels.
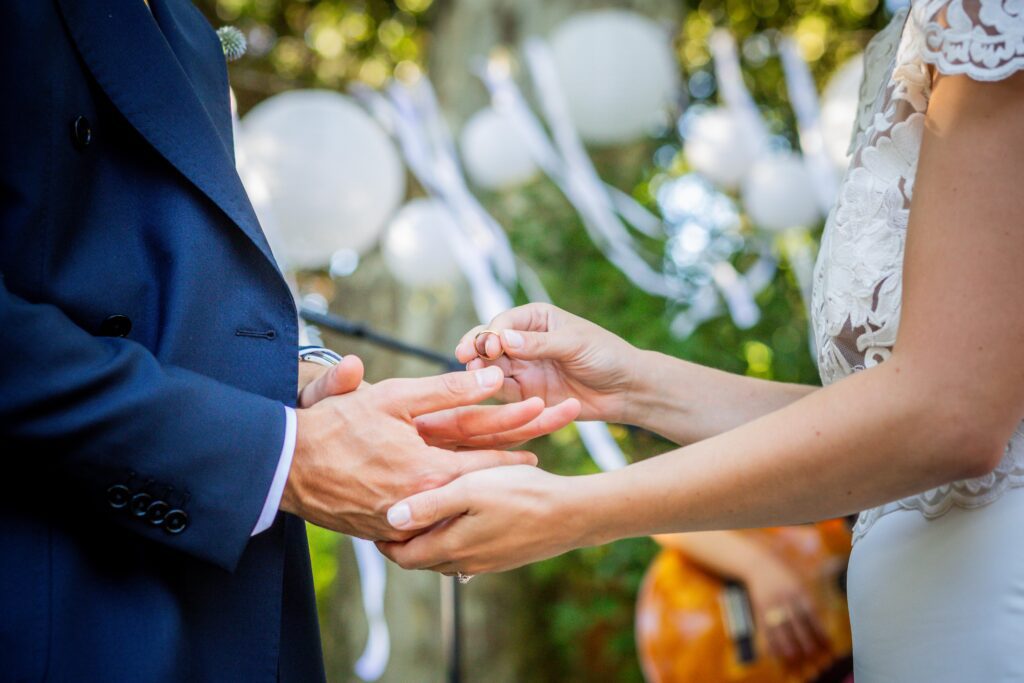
[
  {"x": 373, "y": 578},
  {"x": 564, "y": 159},
  {"x": 732, "y": 88},
  {"x": 411, "y": 112},
  {"x": 803, "y": 97}
]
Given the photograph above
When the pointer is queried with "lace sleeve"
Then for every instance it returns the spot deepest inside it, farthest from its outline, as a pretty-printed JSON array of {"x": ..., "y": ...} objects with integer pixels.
[{"x": 983, "y": 39}]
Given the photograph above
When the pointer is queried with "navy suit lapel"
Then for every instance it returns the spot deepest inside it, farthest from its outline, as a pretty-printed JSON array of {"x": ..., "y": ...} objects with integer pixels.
[
  {"x": 150, "y": 84},
  {"x": 201, "y": 58}
]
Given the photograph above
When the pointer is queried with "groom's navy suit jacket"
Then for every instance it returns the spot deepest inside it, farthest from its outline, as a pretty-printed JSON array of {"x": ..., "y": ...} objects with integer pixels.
[{"x": 147, "y": 344}]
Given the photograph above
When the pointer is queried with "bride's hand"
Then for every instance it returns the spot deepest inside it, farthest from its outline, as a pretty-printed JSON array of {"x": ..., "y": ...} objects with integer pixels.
[
  {"x": 487, "y": 521},
  {"x": 556, "y": 355}
]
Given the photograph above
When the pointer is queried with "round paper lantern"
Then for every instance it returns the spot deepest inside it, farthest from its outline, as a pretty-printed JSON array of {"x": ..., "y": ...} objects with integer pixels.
[
  {"x": 493, "y": 152},
  {"x": 332, "y": 174},
  {"x": 778, "y": 193},
  {"x": 417, "y": 247},
  {"x": 259, "y": 197},
  {"x": 618, "y": 73},
  {"x": 719, "y": 147},
  {"x": 839, "y": 109}
]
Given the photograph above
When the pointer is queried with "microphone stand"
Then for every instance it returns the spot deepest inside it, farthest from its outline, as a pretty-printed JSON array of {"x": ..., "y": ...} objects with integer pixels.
[
  {"x": 358, "y": 330},
  {"x": 451, "y": 608}
]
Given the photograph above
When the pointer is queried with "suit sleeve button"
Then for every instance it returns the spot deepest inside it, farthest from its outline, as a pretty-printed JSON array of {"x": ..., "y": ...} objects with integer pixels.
[
  {"x": 116, "y": 326},
  {"x": 118, "y": 495},
  {"x": 175, "y": 521},
  {"x": 81, "y": 132},
  {"x": 140, "y": 504},
  {"x": 156, "y": 512}
]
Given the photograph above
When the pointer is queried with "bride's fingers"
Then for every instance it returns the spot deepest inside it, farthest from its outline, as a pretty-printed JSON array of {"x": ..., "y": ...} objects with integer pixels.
[
  {"x": 466, "y": 350},
  {"x": 550, "y": 420},
  {"x": 530, "y": 317},
  {"x": 488, "y": 346},
  {"x": 426, "y": 551},
  {"x": 460, "y": 424},
  {"x": 429, "y": 507},
  {"x": 522, "y": 345}
]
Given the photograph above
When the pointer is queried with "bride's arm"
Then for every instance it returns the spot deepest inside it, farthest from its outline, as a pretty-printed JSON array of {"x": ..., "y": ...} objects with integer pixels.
[
  {"x": 941, "y": 408},
  {"x": 686, "y": 402},
  {"x": 553, "y": 354}
]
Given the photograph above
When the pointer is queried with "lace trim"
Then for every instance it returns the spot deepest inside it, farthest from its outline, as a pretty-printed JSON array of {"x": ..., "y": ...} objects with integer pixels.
[
  {"x": 878, "y": 64},
  {"x": 968, "y": 494},
  {"x": 858, "y": 277},
  {"x": 983, "y": 39}
]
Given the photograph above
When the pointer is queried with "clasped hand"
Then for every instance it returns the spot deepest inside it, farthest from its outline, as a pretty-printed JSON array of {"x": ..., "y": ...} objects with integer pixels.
[
  {"x": 360, "y": 447},
  {"x": 503, "y": 517}
]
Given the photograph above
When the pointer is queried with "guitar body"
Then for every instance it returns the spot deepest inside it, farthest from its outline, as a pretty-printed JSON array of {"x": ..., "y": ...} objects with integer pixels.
[{"x": 681, "y": 626}]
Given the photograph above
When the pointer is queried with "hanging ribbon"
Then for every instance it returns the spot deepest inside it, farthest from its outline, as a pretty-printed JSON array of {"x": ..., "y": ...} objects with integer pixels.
[
  {"x": 411, "y": 112},
  {"x": 733, "y": 89},
  {"x": 797, "y": 244},
  {"x": 564, "y": 159},
  {"x": 608, "y": 214},
  {"x": 373, "y": 580},
  {"x": 803, "y": 97}
]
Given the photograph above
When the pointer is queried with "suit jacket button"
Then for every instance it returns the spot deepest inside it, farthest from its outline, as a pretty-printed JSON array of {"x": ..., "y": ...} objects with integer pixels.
[
  {"x": 118, "y": 495},
  {"x": 81, "y": 132},
  {"x": 175, "y": 521},
  {"x": 116, "y": 326},
  {"x": 140, "y": 504},
  {"x": 156, "y": 512}
]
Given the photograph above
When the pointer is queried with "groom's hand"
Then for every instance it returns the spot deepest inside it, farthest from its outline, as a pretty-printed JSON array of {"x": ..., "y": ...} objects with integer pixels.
[
  {"x": 463, "y": 428},
  {"x": 317, "y": 382},
  {"x": 358, "y": 453}
]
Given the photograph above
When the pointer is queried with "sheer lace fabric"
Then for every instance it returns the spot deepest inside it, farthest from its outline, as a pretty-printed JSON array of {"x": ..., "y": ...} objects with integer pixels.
[{"x": 858, "y": 276}]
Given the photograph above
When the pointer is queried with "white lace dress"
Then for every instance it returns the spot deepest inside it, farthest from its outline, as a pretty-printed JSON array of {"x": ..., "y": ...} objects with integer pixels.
[{"x": 936, "y": 580}]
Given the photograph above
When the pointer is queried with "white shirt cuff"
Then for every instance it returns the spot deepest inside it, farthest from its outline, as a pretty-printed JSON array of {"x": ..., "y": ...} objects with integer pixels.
[{"x": 284, "y": 465}]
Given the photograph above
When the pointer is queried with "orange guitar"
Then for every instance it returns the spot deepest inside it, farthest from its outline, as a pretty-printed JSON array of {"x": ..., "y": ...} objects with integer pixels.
[{"x": 693, "y": 627}]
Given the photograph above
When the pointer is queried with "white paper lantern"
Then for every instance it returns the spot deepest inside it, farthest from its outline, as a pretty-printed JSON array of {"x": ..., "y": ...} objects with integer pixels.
[
  {"x": 494, "y": 153},
  {"x": 618, "y": 72},
  {"x": 778, "y": 194},
  {"x": 719, "y": 147},
  {"x": 332, "y": 174},
  {"x": 259, "y": 197},
  {"x": 839, "y": 109},
  {"x": 417, "y": 247}
]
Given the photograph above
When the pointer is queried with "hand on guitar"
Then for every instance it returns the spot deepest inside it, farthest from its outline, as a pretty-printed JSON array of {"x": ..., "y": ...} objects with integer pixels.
[
  {"x": 770, "y": 599},
  {"x": 784, "y": 612}
]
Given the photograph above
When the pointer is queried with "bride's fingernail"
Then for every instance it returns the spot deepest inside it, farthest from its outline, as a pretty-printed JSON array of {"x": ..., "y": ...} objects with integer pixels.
[
  {"x": 488, "y": 377},
  {"x": 458, "y": 350},
  {"x": 399, "y": 515},
  {"x": 513, "y": 339}
]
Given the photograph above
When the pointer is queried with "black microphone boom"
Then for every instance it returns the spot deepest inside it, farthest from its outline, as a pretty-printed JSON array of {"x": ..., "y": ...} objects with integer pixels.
[{"x": 358, "y": 330}]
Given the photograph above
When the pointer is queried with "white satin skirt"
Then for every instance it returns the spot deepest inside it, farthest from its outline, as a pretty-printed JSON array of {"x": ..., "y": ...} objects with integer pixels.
[{"x": 941, "y": 600}]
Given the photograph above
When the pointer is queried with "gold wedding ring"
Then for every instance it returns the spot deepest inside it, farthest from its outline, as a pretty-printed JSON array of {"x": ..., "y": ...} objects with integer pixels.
[
  {"x": 481, "y": 348},
  {"x": 776, "y": 616}
]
